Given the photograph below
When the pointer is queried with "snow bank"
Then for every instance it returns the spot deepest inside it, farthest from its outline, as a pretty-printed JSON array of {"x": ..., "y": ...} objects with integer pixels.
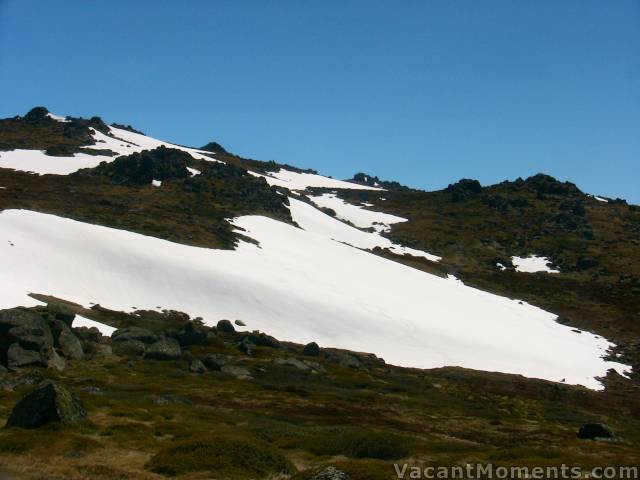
[
  {"x": 532, "y": 264},
  {"x": 297, "y": 285},
  {"x": 302, "y": 181},
  {"x": 313, "y": 220}
]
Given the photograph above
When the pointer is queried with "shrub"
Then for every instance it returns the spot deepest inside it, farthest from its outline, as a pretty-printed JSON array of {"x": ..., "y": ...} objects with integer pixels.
[
  {"x": 227, "y": 455},
  {"x": 356, "y": 442}
]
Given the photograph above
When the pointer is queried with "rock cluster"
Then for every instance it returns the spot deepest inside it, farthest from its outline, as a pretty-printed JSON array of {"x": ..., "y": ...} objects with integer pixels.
[{"x": 38, "y": 337}]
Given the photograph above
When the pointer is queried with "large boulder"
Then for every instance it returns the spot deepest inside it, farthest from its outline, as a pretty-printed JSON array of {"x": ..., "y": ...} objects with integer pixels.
[
  {"x": 27, "y": 328},
  {"x": 236, "y": 371},
  {"x": 47, "y": 403},
  {"x": 216, "y": 361},
  {"x": 225, "y": 326},
  {"x": 595, "y": 431},
  {"x": 196, "y": 366},
  {"x": 134, "y": 333},
  {"x": 311, "y": 350},
  {"x": 20, "y": 357},
  {"x": 129, "y": 348},
  {"x": 193, "y": 334},
  {"x": 164, "y": 349},
  {"x": 69, "y": 345}
]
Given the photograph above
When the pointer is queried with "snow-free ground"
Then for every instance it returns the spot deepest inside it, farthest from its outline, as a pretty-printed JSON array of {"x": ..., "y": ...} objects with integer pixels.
[{"x": 298, "y": 285}]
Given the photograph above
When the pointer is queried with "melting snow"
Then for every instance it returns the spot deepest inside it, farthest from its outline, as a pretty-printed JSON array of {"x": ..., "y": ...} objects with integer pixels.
[
  {"x": 156, "y": 183},
  {"x": 532, "y": 264},
  {"x": 302, "y": 181},
  {"x": 313, "y": 220},
  {"x": 600, "y": 199},
  {"x": 355, "y": 214},
  {"x": 57, "y": 117},
  {"x": 300, "y": 286}
]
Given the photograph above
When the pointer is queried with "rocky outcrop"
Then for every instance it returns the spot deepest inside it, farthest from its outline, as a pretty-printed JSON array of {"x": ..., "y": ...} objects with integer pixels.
[
  {"x": 311, "y": 350},
  {"x": 48, "y": 403},
  {"x": 164, "y": 349}
]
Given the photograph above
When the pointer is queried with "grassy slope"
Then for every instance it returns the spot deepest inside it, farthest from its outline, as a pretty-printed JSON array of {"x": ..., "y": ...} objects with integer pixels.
[{"x": 361, "y": 419}]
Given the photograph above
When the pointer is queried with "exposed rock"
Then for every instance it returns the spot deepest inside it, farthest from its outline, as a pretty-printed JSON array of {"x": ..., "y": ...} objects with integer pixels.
[
  {"x": 292, "y": 362},
  {"x": 69, "y": 345},
  {"x": 26, "y": 328},
  {"x": 330, "y": 473},
  {"x": 134, "y": 333},
  {"x": 225, "y": 326},
  {"x": 196, "y": 366},
  {"x": 345, "y": 359},
  {"x": 193, "y": 334},
  {"x": 20, "y": 357},
  {"x": 53, "y": 360},
  {"x": 48, "y": 403},
  {"x": 240, "y": 323},
  {"x": 62, "y": 313},
  {"x": 595, "y": 431},
  {"x": 238, "y": 372},
  {"x": 89, "y": 334},
  {"x": 164, "y": 349},
  {"x": 246, "y": 345},
  {"x": 216, "y": 361},
  {"x": 311, "y": 350},
  {"x": 129, "y": 348},
  {"x": 260, "y": 339}
]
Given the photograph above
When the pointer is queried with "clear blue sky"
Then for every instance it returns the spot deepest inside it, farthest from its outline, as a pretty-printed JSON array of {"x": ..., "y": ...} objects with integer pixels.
[{"x": 424, "y": 92}]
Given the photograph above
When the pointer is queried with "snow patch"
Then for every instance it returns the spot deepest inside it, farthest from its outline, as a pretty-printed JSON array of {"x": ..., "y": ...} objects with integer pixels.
[
  {"x": 532, "y": 264},
  {"x": 298, "y": 285},
  {"x": 302, "y": 181},
  {"x": 104, "y": 329},
  {"x": 57, "y": 117},
  {"x": 600, "y": 199},
  {"x": 156, "y": 183}
]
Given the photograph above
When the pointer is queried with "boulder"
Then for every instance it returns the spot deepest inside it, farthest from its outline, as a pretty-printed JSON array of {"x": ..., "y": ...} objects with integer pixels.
[
  {"x": 595, "y": 431},
  {"x": 225, "y": 326},
  {"x": 240, "y": 323},
  {"x": 89, "y": 334},
  {"x": 311, "y": 350},
  {"x": 236, "y": 371},
  {"x": 164, "y": 349},
  {"x": 32, "y": 337},
  {"x": 62, "y": 313},
  {"x": 69, "y": 345},
  {"x": 20, "y": 357},
  {"x": 292, "y": 362},
  {"x": 330, "y": 473},
  {"x": 193, "y": 334},
  {"x": 47, "y": 403},
  {"x": 129, "y": 348},
  {"x": 134, "y": 333},
  {"x": 246, "y": 346},
  {"x": 216, "y": 361},
  {"x": 260, "y": 339},
  {"x": 196, "y": 366},
  {"x": 53, "y": 360}
]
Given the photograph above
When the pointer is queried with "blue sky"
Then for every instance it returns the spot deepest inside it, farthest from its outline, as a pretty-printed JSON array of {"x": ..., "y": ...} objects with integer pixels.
[{"x": 424, "y": 92}]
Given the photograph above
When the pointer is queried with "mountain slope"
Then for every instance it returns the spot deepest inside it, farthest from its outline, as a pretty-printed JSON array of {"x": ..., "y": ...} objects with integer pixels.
[{"x": 296, "y": 272}]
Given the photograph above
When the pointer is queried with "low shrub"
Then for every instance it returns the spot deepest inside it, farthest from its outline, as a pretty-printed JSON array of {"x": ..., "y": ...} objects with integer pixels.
[
  {"x": 356, "y": 442},
  {"x": 229, "y": 456}
]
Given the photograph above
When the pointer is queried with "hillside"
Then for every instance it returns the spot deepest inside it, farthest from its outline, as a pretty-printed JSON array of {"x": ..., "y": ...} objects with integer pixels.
[{"x": 491, "y": 308}]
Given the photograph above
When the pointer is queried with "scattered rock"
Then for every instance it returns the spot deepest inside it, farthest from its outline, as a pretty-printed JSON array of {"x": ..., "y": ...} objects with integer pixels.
[
  {"x": 89, "y": 334},
  {"x": 225, "y": 326},
  {"x": 330, "y": 473},
  {"x": 595, "y": 431},
  {"x": 216, "y": 361},
  {"x": 164, "y": 349},
  {"x": 48, "y": 403},
  {"x": 134, "y": 333},
  {"x": 345, "y": 359},
  {"x": 54, "y": 361},
  {"x": 196, "y": 366},
  {"x": 260, "y": 339},
  {"x": 311, "y": 350},
  {"x": 235, "y": 371}
]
